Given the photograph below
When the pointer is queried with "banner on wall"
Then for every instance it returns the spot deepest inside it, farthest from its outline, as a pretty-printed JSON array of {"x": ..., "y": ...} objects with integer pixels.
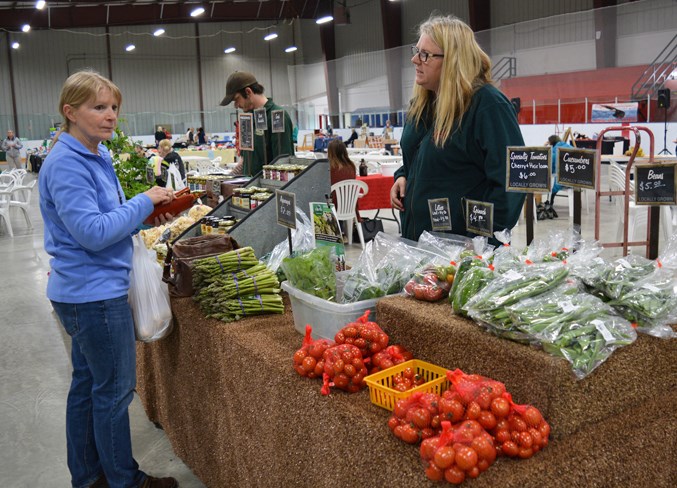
[{"x": 614, "y": 112}]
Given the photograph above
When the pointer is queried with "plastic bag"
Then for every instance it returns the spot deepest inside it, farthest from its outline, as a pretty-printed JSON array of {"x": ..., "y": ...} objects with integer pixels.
[
  {"x": 432, "y": 283},
  {"x": 148, "y": 295},
  {"x": 449, "y": 246},
  {"x": 472, "y": 275},
  {"x": 308, "y": 360},
  {"x": 312, "y": 272},
  {"x": 302, "y": 238}
]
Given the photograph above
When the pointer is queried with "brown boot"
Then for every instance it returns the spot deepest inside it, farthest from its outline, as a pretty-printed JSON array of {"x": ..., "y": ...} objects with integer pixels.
[{"x": 151, "y": 482}]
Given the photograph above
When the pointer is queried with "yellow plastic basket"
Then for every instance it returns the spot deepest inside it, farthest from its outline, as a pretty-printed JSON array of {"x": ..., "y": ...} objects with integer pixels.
[{"x": 380, "y": 384}]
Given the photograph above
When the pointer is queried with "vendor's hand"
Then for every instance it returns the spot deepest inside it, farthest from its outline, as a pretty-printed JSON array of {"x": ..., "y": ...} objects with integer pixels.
[
  {"x": 159, "y": 195},
  {"x": 397, "y": 193},
  {"x": 163, "y": 219}
]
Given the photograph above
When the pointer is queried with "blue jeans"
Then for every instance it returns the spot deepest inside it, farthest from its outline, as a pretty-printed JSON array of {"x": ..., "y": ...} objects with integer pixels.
[{"x": 104, "y": 376}]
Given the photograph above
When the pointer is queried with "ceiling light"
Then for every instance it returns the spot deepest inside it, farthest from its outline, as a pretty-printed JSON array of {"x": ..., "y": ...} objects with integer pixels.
[
  {"x": 40, "y": 5},
  {"x": 25, "y": 27},
  {"x": 197, "y": 11},
  {"x": 229, "y": 50},
  {"x": 271, "y": 36},
  {"x": 158, "y": 32},
  {"x": 324, "y": 20},
  {"x": 290, "y": 49},
  {"x": 130, "y": 48},
  {"x": 15, "y": 45}
]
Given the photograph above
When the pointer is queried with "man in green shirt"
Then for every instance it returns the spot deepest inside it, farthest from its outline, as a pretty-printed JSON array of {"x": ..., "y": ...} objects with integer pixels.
[{"x": 247, "y": 95}]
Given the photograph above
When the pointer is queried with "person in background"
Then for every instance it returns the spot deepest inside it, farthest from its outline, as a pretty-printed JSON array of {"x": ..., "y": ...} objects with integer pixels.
[
  {"x": 330, "y": 131},
  {"x": 159, "y": 135},
  {"x": 189, "y": 137},
  {"x": 141, "y": 152},
  {"x": 168, "y": 135},
  {"x": 12, "y": 145},
  {"x": 351, "y": 140},
  {"x": 555, "y": 141},
  {"x": 340, "y": 168},
  {"x": 456, "y": 132},
  {"x": 167, "y": 156},
  {"x": 88, "y": 233},
  {"x": 387, "y": 130},
  {"x": 248, "y": 96},
  {"x": 201, "y": 137}
]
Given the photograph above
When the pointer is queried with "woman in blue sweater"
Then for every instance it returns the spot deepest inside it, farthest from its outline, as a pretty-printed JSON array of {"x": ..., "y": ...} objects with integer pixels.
[
  {"x": 88, "y": 229},
  {"x": 456, "y": 133}
]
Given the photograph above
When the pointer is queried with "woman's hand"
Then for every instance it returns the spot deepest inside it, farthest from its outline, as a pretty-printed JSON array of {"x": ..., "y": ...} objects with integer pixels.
[
  {"x": 159, "y": 195},
  {"x": 397, "y": 193}
]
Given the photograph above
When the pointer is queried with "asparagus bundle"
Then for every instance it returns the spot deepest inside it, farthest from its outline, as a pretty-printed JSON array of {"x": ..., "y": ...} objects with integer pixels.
[
  {"x": 253, "y": 281},
  {"x": 207, "y": 270},
  {"x": 237, "y": 308}
]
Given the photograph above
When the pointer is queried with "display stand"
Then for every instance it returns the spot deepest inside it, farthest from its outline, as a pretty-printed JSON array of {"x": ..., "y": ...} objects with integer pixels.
[
  {"x": 256, "y": 228},
  {"x": 651, "y": 242}
]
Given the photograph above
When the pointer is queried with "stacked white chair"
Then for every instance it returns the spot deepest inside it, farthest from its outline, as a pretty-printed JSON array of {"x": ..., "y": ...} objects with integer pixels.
[
  {"x": 347, "y": 193},
  {"x": 21, "y": 199}
]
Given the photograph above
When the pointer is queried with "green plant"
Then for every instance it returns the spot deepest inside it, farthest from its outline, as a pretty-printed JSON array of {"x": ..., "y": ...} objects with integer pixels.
[{"x": 130, "y": 168}]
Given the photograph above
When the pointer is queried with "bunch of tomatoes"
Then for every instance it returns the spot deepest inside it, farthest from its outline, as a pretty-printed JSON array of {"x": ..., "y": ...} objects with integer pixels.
[
  {"x": 344, "y": 367},
  {"x": 431, "y": 284},
  {"x": 309, "y": 360},
  {"x": 483, "y": 422},
  {"x": 389, "y": 357},
  {"x": 367, "y": 336}
]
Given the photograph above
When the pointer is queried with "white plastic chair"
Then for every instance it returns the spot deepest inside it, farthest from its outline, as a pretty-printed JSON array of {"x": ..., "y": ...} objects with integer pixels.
[
  {"x": 21, "y": 199},
  {"x": 5, "y": 197},
  {"x": 7, "y": 180},
  {"x": 347, "y": 193}
]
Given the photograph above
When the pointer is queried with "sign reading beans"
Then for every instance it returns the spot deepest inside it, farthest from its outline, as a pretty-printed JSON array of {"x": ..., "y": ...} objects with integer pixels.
[{"x": 655, "y": 184}]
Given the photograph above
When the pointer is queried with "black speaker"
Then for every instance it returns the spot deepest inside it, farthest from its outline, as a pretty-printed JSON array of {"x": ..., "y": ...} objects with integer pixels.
[
  {"x": 517, "y": 103},
  {"x": 664, "y": 98}
]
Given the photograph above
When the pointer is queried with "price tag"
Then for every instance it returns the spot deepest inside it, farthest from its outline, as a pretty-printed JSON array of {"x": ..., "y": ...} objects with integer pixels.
[
  {"x": 286, "y": 204},
  {"x": 528, "y": 169},
  {"x": 278, "y": 120},
  {"x": 599, "y": 325},
  {"x": 260, "y": 119},
  {"x": 479, "y": 217},
  {"x": 512, "y": 275},
  {"x": 650, "y": 287},
  {"x": 576, "y": 167},
  {"x": 567, "y": 306},
  {"x": 440, "y": 215},
  {"x": 150, "y": 175},
  {"x": 655, "y": 184},
  {"x": 246, "y": 123}
]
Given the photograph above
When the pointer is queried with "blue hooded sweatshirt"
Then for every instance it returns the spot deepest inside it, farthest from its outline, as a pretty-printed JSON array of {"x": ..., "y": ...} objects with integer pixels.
[{"x": 88, "y": 223}]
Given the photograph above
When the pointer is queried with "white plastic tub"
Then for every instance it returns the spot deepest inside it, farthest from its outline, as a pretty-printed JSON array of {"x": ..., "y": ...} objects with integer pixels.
[
  {"x": 325, "y": 317},
  {"x": 388, "y": 169}
]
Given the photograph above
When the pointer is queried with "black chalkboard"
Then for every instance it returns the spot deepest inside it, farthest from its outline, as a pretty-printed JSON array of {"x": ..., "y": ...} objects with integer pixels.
[
  {"x": 246, "y": 132},
  {"x": 479, "y": 217},
  {"x": 440, "y": 215},
  {"x": 528, "y": 169},
  {"x": 260, "y": 122},
  {"x": 655, "y": 184},
  {"x": 285, "y": 203},
  {"x": 576, "y": 167},
  {"x": 278, "y": 120}
]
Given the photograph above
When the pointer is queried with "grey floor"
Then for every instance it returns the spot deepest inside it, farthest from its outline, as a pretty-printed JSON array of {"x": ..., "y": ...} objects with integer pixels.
[{"x": 35, "y": 366}]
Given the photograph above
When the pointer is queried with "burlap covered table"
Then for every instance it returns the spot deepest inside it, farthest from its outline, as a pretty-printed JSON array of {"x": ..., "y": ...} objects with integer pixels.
[{"x": 238, "y": 415}]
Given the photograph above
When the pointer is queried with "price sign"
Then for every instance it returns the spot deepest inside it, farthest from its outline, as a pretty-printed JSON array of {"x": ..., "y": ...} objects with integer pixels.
[
  {"x": 150, "y": 175},
  {"x": 246, "y": 131},
  {"x": 260, "y": 121},
  {"x": 479, "y": 217},
  {"x": 278, "y": 120},
  {"x": 286, "y": 204},
  {"x": 440, "y": 215},
  {"x": 528, "y": 169},
  {"x": 655, "y": 184},
  {"x": 576, "y": 167}
]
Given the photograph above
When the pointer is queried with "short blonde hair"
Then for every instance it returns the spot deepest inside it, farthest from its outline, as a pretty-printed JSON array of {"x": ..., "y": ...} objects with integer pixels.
[
  {"x": 165, "y": 144},
  {"x": 81, "y": 87}
]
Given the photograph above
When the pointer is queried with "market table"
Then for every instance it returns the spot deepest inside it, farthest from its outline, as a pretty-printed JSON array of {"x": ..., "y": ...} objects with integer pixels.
[
  {"x": 239, "y": 416},
  {"x": 227, "y": 155},
  {"x": 378, "y": 196}
]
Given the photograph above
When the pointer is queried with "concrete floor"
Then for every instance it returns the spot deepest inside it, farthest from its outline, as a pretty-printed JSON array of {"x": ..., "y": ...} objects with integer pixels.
[{"x": 35, "y": 365}]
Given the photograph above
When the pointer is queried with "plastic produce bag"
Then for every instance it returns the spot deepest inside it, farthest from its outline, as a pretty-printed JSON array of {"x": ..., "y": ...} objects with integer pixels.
[
  {"x": 302, "y": 238},
  {"x": 312, "y": 272},
  {"x": 472, "y": 275},
  {"x": 148, "y": 295},
  {"x": 449, "y": 246}
]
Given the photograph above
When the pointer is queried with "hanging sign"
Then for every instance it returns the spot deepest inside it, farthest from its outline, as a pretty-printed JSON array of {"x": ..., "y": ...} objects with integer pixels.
[
  {"x": 278, "y": 120},
  {"x": 655, "y": 184},
  {"x": 576, "y": 167},
  {"x": 246, "y": 131},
  {"x": 440, "y": 215},
  {"x": 260, "y": 122},
  {"x": 528, "y": 169},
  {"x": 479, "y": 217},
  {"x": 285, "y": 203}
]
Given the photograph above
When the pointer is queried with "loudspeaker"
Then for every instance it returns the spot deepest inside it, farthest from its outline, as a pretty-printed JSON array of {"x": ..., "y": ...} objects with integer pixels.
[
  {"x": 516, "y": 102},
  {"x": 664, "y": 98}
]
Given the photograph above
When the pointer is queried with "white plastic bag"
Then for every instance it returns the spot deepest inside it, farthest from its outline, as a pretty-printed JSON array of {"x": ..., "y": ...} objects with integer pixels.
[
  {"x": 148, "y": 295},
  {"x": 174, "y": 179}
]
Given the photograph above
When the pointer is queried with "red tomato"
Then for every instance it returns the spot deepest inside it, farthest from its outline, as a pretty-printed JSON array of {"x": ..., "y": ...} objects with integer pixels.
[
  {"x": 472, "y": 411},
  {"x": 525, "y": 439},
  {"x": 349, "y": 370},
  {"x": 526, "y": 452},
  {"x": 500, "y": 407},
  {"x": 510, "y": 449},
  {"x": 408, "y": 373},
  {"x": 517, "y": 424},
  {"x": 429, "y": 447},
  {"x": 433, "y": 472},
  {"x": 349, "y": 332},
  {"x": 309, "y": 363},
  {"x": 487, "y": 420},
  {"x": 503, "y": 436},
  {"x": 484, "y": 448},
  {"x": 532, "y": 417},
  {"x": 454, "y": 475},
  {"x": 409, "y": 434},
  {"x": 444, "y": 457},
  {"x": 421, "y": 418},
  {"x": 392, "y": 423},
  {"x": 466, "y": 458},
  {"x": 299, "y": 356},
  {"x": 474, "y": 472}
]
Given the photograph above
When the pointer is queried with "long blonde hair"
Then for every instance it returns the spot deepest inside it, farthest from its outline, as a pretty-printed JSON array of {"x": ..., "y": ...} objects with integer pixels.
[
  {"x": 81, "y": 87},
  {"x": 465, "y": 68}
]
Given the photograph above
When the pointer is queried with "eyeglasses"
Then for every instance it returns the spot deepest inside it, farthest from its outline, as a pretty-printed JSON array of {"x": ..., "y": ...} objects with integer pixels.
[{"x": 424, "y": 55}]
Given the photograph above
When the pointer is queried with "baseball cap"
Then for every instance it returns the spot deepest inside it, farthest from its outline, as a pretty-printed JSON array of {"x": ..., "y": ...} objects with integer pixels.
[{"x": 236, "y": 82}]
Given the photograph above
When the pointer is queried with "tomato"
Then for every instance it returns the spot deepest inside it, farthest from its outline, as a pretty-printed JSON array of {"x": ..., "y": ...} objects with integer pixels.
[
  {"x": 483, "y": 465},
  {"x": 319, "y": 369},
  {"x": 299, "y": 356},
  {"x": 408, "y": 373},
  {"x": 349, "y": 332},
  {"x": 484, "y": 448},
  {"x": 472, "y": 411},
  {"x": 526, "y": 452},
  {"x": 401, "y": 387},
  {"x": 429, "y": 447},
  {"x": 510, "y": 449},
  {"x": 517, "y": 424},
  {"x": 544, "y": 429},
  {"x": 525, "y": 439},
  {"x": 400, "y": 409},
  {"x": 487, "y": 420},
  {"x": 360, "y": 343},
  {"x": 503, "y": 436},
  {"x": 444, "y": 457},
  {"x": 338, "y": 366},
  {"x": 435, "y": 422},
  {"x": 536, "y": 436},
  {"x": 454, "y": 475},
  {"x": 474, "y": 472},
  {"x": 502, "y": 424},
  {"x": 299, "y": 369},
  {"x": 392, "y": 423},
  {"x": 427, "y": 433},
  {"x": 340, "y": 337},
  {"x": 466, "y": 458},
  {"x": 484, "y": 400},
  {"x": 309, "y": 363},
  {"x": 532, "y": 417},
  {"x": 433, "y": 472},
  {"x": 341, "y": 380},
  {"x": 473, "y": 427},
  {"x": 409, "y": 434},
  {"x": 421, "y": 418},
  {"x": 500, "y": 407}
]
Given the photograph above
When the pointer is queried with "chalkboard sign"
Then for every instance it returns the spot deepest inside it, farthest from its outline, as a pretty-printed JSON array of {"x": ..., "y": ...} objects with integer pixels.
[
  {"x": 286, "y": 204},
  {"x": 246, "y": 132},
  {"x": 440, "y": 215},
  {"x": 655, "y": 184},
  {"x": 528, "y": 169},
  {"x": 260, "y": 121},
  {"x": 479, "y": 217},
  {"x": 150, "y": 175},
  {"x": 278, "y": 120},
  {"x": 576, "y": 167}
]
